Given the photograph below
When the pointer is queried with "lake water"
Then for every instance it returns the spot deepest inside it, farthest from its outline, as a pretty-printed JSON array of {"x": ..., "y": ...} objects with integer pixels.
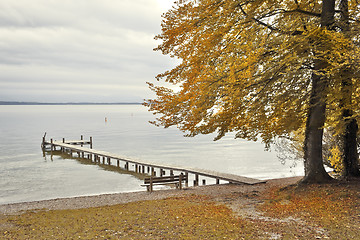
[{"x": 26, "y": 175}]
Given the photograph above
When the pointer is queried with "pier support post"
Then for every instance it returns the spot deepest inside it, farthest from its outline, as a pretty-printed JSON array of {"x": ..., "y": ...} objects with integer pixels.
[
  {"x": 161, "y": 172},
  {"x": 171, "y": 172},
  {"x": 109, "y": 160},
  {"x": 180, "y": 180},
  {"x": 91, "y": 143},
  {"x": 82, "y": 138},
  {"x": 153, "y": 172},
  {"x": 196, "y": 181},
  {"x": 203, "y": 182},
  {"x": 118, "y": 163},
  {"x": 217, "y": 181},
  {"x": 187, "y": 179}
]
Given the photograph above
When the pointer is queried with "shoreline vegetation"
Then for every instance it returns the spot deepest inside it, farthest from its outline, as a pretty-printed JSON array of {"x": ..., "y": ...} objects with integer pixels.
[
  {"x": 68, "y": 103},
  {"x": 278, "y": 209}
]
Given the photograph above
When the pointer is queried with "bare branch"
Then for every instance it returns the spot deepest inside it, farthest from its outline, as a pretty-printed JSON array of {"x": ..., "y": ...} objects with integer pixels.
[{"x": 296, "y": 32}]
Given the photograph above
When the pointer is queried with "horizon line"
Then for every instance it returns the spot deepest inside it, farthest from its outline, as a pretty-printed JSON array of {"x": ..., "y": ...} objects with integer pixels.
[{"x": 66, "y": 103}]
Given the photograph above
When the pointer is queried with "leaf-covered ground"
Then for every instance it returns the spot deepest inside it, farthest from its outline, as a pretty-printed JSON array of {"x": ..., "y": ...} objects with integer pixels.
[
  {"x": 331, "y": 211},
  {"x": 313, "y": 212}
]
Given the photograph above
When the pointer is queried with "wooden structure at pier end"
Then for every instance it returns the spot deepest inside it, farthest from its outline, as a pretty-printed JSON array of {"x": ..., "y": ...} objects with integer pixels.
[{"x": 84, "y": 149}]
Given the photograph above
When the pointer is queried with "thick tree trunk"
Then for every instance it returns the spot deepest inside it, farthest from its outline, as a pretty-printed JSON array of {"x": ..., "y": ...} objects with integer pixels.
[
  {"x": 350, "y": 153},
  {"x": 314, "y": 167},
  {"x": 313, "y": 162}
]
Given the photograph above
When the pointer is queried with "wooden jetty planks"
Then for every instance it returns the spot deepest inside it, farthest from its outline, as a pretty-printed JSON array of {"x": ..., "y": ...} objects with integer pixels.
[
  {"x": 226, "y": 176},
  {"x": 74, "y": 146}
]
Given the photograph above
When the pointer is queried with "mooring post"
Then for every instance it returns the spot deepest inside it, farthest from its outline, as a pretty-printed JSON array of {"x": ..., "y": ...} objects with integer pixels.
[
  {"x": 52, "y": 146},
  {"x": 43, "y": 141}
]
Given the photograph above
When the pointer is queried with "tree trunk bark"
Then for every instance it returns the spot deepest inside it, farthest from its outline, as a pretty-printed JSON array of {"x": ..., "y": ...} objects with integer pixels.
[
  {"x": 349, "y": 145},
  {"x": 350, "y": 153},
  {"x": 313, "y": 162}
]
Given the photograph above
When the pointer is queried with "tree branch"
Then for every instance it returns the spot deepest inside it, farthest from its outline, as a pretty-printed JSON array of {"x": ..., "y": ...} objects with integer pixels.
[{"x": 296, "y": 32}]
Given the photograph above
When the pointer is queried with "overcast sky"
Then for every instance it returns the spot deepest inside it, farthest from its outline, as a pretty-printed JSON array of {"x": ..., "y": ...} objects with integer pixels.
[{"x": 80, "y": 50}]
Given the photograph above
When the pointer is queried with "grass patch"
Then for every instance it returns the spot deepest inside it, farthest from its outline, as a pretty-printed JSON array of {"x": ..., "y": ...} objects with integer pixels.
[{"x": 174, "y": 218}]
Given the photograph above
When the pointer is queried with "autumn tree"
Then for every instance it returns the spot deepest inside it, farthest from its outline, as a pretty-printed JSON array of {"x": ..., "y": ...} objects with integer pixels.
[
  {"x": 350, "y": 129},
  {"x": 262, "y": 69}
]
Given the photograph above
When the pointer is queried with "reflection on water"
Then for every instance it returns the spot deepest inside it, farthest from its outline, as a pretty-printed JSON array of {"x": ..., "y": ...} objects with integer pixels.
[
  {"x": 26, "y": 176},
  {"x": 85, "y": 161}
]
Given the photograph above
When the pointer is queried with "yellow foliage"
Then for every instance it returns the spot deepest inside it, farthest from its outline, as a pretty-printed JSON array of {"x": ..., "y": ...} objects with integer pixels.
[
  {"x": 246, "y": 67},
  {"x": 336, "y": 159}
]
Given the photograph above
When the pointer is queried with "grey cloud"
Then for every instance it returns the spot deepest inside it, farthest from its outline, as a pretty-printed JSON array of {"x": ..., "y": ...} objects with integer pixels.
[{"x": 72, "y": 48}]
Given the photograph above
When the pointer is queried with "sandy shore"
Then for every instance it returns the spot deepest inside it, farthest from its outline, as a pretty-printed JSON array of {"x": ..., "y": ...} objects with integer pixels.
[{"x": 217, "y": 192}]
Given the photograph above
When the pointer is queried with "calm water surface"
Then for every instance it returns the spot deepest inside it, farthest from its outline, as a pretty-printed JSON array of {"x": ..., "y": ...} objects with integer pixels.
[{"x": 26, "y": 175}]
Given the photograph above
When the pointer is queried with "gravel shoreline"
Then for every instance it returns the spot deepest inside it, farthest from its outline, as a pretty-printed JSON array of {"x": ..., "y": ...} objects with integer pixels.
[{"x": 218, "y": 192}]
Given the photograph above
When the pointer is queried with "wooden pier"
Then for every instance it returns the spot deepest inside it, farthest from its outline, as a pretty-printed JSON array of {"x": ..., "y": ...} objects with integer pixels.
[{"x": 147, "y": 168}]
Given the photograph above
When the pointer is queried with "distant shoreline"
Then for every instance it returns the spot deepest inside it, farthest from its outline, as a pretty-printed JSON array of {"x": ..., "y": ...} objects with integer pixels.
[{"x": 69, "y": 103}]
